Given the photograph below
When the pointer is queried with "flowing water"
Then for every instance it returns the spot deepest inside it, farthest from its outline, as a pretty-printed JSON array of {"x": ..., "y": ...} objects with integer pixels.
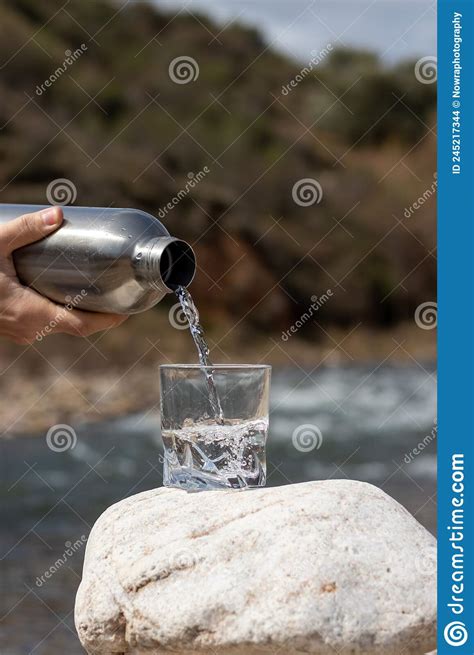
[
  {"x": 206, "y": 455},
  {"x": 49, "y": 499},
  {"x": 216, "y": 452},
  {"x": 197, "y": 333}
]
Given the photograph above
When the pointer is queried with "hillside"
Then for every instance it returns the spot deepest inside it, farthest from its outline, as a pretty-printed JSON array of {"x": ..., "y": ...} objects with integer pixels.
[
  {"x": 123, "y": 142},
  {"x": 117, "y": 125}
]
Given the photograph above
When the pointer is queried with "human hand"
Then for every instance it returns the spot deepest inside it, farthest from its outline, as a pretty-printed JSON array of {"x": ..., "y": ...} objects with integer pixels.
[{"x": 24, "y": 313}]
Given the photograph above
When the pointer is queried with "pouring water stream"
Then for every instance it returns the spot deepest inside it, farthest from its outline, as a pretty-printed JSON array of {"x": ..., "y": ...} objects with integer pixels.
[{"x": 197, "y": 333}]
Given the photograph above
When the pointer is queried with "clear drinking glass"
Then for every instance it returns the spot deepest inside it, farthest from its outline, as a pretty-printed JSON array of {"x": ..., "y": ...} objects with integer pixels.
[{"x": 209, "y": 447}]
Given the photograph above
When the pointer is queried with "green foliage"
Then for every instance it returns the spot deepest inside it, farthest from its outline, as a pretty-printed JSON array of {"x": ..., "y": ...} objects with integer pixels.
[
  {"x": 376, "y": 103},
  {"x": 117, "y": 125}
]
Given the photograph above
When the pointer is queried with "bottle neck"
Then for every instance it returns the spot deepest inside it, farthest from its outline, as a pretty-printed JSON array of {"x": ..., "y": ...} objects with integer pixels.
[{"x": 167, "y": 263}]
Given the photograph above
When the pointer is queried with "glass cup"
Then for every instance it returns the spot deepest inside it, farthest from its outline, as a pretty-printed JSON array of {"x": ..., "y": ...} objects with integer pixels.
[{"x": 214, "y": 425}]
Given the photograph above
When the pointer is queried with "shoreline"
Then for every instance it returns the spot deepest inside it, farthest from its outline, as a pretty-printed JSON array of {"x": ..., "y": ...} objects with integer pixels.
[{"x": 67, "y": 381}]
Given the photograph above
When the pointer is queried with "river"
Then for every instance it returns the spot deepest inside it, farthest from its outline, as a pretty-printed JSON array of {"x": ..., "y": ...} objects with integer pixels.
[{"x": 377, "y": 426}]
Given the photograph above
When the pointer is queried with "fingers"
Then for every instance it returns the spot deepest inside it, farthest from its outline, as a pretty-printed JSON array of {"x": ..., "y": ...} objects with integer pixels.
[
  {"x": 83, "y": 324},
  {"x": 33, "y": 318},
  {"x": 29, "y": 228},
  {"x": 30, "y": 316}
]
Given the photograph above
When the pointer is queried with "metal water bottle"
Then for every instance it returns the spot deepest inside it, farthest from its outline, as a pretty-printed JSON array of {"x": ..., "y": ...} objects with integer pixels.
[{"x": 120, "y": 261}]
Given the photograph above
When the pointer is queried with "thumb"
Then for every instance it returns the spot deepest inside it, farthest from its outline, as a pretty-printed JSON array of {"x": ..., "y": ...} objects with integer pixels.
[{"x": 29, "y": 228}]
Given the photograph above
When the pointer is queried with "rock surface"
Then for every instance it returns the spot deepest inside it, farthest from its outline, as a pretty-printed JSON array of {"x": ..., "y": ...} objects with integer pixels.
[{"x": 305, "y": 568}]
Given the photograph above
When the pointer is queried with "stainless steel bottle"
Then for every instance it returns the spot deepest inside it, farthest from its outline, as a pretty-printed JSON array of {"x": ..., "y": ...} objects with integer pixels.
[{"x": 110, "y": 260}]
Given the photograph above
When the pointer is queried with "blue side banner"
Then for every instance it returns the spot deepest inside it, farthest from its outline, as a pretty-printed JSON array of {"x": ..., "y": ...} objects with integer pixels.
[{"x": 455, "y": 327}]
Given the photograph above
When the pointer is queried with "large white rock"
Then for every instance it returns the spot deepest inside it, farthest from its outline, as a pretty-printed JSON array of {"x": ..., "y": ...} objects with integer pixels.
[{"x": 305, "y": 568}]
